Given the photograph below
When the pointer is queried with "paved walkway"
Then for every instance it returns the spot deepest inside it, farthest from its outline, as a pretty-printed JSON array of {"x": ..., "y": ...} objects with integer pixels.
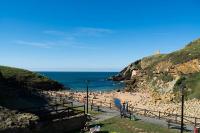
[{"x": 105, "y": 114}]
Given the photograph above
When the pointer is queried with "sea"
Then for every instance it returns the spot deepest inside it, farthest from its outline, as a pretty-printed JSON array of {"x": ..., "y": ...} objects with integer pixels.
[{"x": 76, "y": 81}]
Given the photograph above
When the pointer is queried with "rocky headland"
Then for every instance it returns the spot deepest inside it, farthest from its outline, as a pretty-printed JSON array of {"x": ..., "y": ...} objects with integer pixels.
[{"x": 157, "y": 79}]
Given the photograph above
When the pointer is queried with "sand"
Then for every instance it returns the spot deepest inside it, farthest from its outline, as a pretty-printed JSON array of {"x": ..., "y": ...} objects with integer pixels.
[{"x": 143, "y": 100}]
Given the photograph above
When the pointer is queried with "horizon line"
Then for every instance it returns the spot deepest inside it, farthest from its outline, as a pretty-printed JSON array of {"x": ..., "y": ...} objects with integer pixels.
[{"x": 74, "y": 71}]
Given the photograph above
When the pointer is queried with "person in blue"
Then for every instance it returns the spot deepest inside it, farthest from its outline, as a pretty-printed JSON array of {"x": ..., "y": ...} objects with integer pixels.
[{"x": 123, "y": 109}]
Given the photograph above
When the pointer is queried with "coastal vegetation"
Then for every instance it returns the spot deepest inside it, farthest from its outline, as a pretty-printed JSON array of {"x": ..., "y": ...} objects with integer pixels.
[
  {"x": 192, "y": 85},
  {"x": 15, "y": 86},
  {"x": 163, "y": 72},
  {"x": 25, "y": 78}
]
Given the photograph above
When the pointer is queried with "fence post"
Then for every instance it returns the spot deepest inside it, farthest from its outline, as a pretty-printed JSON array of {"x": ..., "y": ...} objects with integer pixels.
[
  {"x": 98, "y": 108},
  {"x": 56, "y": 108},
  {"x": 91, "y": 107},
  {"x": 63, "y": 102},
  {"x": 110, "y": 105},
  {"x": 68, "y": 112},
  {"x": 159, "y": 115},
  {"x": 195, "y": 121},
  {"x": 84, "y": 108},
  {"x": 176, "y": 118},
  {"x": 145, "y": 112}
]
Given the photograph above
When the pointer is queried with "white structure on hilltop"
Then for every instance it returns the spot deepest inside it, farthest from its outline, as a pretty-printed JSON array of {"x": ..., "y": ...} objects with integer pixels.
[{"x": 157, "y": 52}]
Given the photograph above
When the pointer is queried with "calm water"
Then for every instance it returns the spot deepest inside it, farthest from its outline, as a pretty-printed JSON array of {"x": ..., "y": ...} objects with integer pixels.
[{"x": 76, "y": 80}]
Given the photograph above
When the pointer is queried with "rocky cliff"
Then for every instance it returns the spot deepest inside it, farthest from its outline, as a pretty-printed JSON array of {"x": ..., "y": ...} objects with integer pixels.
[{"x": 164, "y": 73}]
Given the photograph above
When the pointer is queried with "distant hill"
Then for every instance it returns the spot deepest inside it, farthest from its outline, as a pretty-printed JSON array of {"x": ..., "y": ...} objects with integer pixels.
[
  {"x": 166, "y": 72},
  {"x": 25, "y": 78}
]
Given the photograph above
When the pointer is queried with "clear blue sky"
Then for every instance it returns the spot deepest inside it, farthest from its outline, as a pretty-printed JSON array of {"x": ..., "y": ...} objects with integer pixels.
[{"x": 92, "y": 35}]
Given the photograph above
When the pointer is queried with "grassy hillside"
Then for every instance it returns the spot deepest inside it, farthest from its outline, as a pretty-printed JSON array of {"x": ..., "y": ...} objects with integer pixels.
[
  {"x": 161, "y": 71},
  {"x": 28, "y": 79},
  {"x": 192, "y": 85},
  {"x": 190, "y": 52},
  {"x": 15, "y": 84}
]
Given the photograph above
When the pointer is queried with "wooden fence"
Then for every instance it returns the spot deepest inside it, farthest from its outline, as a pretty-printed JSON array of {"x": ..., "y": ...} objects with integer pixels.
[
  {"x": 58, "y": 106},
  {"x": 195, "y": 121},
  {"x": 50, "y": 112},
  {"x": 133, "y": 110},
  {"x": 166, "y": 116}
]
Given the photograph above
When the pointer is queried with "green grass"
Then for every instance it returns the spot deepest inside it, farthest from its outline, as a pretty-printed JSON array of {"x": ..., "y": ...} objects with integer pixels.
[
  {"x": 15, "y": 84},
  {"x": 27, "y": 78},
  {"x": 192, "y": 84},
  {"x": 118, "y": 125},
  {"x": 190, "y": 52}
]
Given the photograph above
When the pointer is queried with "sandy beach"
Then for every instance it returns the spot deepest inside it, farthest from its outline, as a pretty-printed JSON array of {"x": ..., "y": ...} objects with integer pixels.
[{"x": 143, "y": 100}]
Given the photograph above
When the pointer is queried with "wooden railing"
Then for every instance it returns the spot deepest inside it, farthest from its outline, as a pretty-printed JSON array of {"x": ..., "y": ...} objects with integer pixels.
[
  {"x": 58, "y": 106},
  {"x": 140, "y": 111},
  {"x": 195, "y": 121},
  {"x": 166, "y": 116},
  {"x": 96, "y": 102},
  {"x": 57, "y": 111}
]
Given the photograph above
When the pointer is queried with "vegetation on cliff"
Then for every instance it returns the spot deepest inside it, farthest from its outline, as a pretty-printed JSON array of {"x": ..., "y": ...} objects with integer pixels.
[
  {"x": 16, "y": 85},
  {"x": 19, "y": 77},
  {"x": 15, "y": 94},
  {"x": 162, "y": 72}
]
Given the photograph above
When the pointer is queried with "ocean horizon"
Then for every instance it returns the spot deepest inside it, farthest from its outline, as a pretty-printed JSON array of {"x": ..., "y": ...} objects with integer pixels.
[{"x": 76, "y": 81}]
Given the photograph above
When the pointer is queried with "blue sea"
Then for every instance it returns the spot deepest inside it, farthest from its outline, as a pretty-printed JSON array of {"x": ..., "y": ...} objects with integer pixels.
[{"x": 76, "y": 81}]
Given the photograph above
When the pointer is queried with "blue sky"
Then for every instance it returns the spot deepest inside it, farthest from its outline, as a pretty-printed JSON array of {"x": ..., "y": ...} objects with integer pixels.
[{"x": 92, "y": 35}]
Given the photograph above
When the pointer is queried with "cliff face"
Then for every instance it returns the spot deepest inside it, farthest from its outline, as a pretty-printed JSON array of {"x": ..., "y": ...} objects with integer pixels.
[{"x": 164, "y": 72}]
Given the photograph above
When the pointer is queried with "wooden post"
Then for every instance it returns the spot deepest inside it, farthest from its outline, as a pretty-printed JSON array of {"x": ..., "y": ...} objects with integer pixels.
[
  {"x": 195, "y": 122},
  {"x": 91, "y": 107},
  {"x": 56, "y": 108},
  {"x": 68, "y": 112},
  {"x": 98, "y": 108},
  {"x": 55, "y": 101},
  {"x": 176, "y": 118},
  {"x": 127, "y": 107},
  {"x": 84, "y": 108},
  {"x": 168, "y": 124},
  {"x": 159, "y": 115},
  {"x": 63, "y": 102},
  {"x": 145, "y": 112},
  {"x": 110, "y": 105}
]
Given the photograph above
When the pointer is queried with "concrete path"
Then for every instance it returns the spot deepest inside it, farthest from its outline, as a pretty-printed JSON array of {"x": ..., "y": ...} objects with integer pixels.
[{"x": 105, "y": 114}]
